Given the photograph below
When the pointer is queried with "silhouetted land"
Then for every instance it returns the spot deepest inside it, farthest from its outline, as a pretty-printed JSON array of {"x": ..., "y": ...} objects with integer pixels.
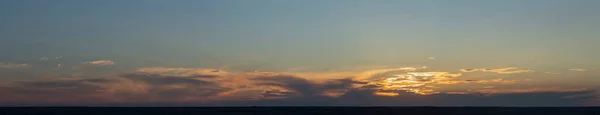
[{"x": 300, "y": 111}]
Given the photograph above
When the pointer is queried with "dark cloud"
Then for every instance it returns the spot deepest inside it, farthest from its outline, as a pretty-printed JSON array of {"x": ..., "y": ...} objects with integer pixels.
[
  {"x": 366, "y": 98},
  {"x": 145, "y": 87},
  {"x": 204, "y": 76},
  {"x": 277, "y": 93},
  {"x": 63, "y": 83},
  {"x": 303, "y": 86},
  {"x": 359, "y": 82},
  {"x": 155, "y": 79},
  {"x": 468, "y": 70},
  {"x": 339, "y": 84},
  {"x": 187, "y": 86},
  {"x": 53, "y": 91},
  {"x": 98, "y": 80},
  {"x": 150, "y": 89}
]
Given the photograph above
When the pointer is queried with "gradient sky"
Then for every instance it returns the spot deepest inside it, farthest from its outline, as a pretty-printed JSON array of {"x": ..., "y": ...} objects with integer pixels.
[{"x": 309, "y": 52}]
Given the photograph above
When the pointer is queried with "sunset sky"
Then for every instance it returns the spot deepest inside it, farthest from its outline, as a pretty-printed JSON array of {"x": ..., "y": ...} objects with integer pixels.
[{"x": 300, "y": 52}]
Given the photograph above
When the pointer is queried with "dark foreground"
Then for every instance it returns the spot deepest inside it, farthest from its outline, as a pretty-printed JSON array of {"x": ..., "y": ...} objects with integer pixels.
[{"x": 300, "y": 111}]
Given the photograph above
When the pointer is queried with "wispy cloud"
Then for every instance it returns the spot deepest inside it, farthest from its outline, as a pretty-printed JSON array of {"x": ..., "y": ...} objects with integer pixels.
[
  {"x": 431, "y": 58},
  {"x": 12, "y": 65},
  {"x": 51, "y": 58},
  {"x": 578, "y": 69},
  {"x": 416, "y": 82},
  {"x": 101, "y": 62},
  {"x": 499, "y": 80},
  {"x": 181, "y": 71},
  {"x": 510, "y": 70},
  {"x": 531, "y": 90},
  {"x": 425, "y": 83}
]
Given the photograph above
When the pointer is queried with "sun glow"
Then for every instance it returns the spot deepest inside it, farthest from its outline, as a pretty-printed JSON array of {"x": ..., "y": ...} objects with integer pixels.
[
  {"x": 415, "y": 82},
  {"x": 391, "y": 94}
]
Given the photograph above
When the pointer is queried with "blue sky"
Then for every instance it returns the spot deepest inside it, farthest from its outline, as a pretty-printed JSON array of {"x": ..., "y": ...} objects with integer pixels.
[{"x": 542, "y": 37}]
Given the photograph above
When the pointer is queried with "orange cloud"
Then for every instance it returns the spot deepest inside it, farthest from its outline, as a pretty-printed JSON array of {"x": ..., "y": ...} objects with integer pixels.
[
  {"x": 511, "y": 70},
  {"x": 200, "y": 85},
  {"x": 101, "y": 62},
  {"x": 578, "y": 69},
  {"x": 488, "y": 87},
  {"x": 530, "y": 90},
  {"x": 389, "y": 94},
  {"x": 499, "y": 80}
]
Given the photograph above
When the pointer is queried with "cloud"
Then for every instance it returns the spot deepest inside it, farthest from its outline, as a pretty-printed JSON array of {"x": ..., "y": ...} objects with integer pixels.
[
  {"x": 126, "y": 88},
  {"x": 431, "y": 58},
  {"x": 357, "y": 97},
  {"x": 499, "y": 80},
  {"x": 11, "y": 65},
  {"x": 372, "y": 73},
  {"x": 54, "y": 91},
  {"x": 47, "y": 58},
  {"x": 417, "y": 82},
  {"x": 165, "y": 80},
  {"x": 277, "y": 93},
  {"x": 488, "y": 87},
  {"x": 181, "y": 71},
  {"x": 578, "y": 69},
  {"x": 551, "y": 73},
  {"x": 175, "y": 86},
  {"x": 530, "y": 90},
  {"x": 305, "y": 87},
  {"x": 358, "y": 74},
  {"x": 197, "y": 86},
  {"x": 101, "y": 62},
  {"x": 511, "y": 70}
]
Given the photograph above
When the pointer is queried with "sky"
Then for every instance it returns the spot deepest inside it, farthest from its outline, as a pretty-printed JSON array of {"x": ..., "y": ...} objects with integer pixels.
[{"x": 292, "y": 52}]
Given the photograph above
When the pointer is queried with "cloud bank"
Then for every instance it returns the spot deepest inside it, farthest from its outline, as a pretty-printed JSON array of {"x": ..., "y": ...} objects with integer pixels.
[{"x": 161, "y": 86}]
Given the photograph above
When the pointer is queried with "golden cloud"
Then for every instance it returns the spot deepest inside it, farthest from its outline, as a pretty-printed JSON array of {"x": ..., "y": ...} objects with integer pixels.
[
  {"x": 511, "y": 70},
  {"x": 578, "y": 69},
  {"x": 529, "y": 90},
  {"x": 390, "y": 94},
  {"x": 163, "y": 84}
]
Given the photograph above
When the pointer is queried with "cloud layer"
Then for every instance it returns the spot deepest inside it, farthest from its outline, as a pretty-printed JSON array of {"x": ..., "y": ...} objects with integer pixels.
[
  {"x": 579, "y": 70},
  {"x": 101, "y": 62},
  {"x": 12, "y": 65},
  {"x": 511, "y": 70},
  {"x": 198, "y": 86}
]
